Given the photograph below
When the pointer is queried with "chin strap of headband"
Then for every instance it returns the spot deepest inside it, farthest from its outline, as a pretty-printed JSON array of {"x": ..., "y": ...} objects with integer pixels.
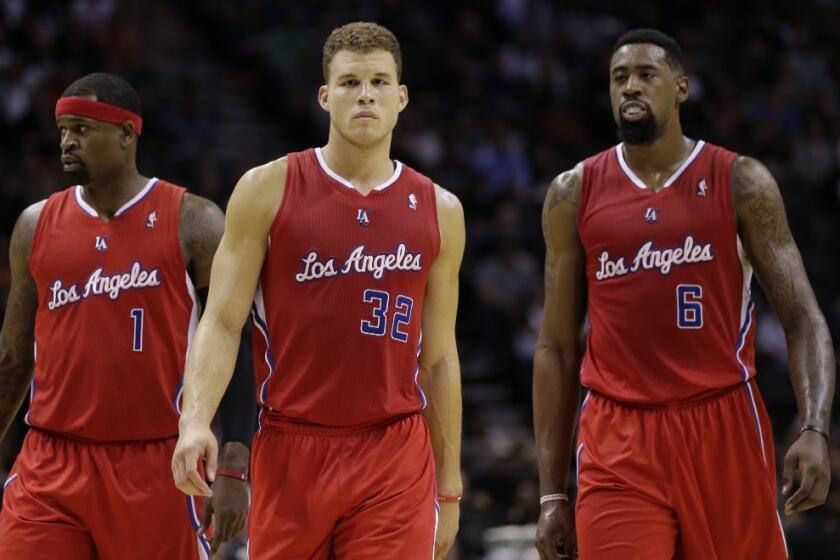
[{"x": 98, "y": 111}]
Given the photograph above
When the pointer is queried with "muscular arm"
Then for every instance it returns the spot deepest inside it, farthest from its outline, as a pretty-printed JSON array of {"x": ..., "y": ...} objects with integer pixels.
[
  {"x": 764, "y": 232},
  {"x": 763, "y": 229},
  {"x": 440, "y": 369},
  {"x": 235, "y": 273},
  {"x": 202, "y": 227},
  {"x": 559, "y": 347},
  {"x": 18, "y": 333}
]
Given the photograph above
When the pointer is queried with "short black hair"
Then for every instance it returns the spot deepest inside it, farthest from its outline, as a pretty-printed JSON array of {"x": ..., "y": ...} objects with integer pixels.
[
  {"x": 673, "y": 52},
  {"x": 107, "y": 88}
]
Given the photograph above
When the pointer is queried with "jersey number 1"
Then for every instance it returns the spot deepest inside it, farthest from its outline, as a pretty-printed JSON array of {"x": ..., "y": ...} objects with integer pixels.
[
  {"x": 137, "y": 315},
  {"x": 689, "y": 306}
]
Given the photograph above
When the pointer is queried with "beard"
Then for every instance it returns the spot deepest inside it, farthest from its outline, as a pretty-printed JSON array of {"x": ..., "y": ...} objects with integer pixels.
[
  {"x": 639, "y": 132},
  {"x": 80, "y": 176}
]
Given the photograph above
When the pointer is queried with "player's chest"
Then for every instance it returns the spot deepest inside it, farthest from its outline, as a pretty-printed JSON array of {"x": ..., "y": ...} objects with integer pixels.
[
  {"x": 339, "y": 235},
  {"x": 636, "y": 230},
  {"x": 109, "y": 260}
]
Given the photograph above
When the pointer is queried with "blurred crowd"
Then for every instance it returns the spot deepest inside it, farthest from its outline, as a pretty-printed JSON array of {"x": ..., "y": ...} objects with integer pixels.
[{"x": 504, "y": 95}]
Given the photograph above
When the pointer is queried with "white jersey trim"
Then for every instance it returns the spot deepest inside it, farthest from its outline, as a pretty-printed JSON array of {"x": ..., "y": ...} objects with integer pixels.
[
  {"x": 91, "y": 211},
  {"x": 619, "y": 151},
  {"x": 398, "y": 166},
  {"x": 190, "y": 333}
]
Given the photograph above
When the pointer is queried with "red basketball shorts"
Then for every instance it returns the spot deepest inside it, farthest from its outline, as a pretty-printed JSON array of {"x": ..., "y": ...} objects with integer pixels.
[
  {"x": 322, "y": 493},
  {"x": 692, "y": 483},
  {"x": 96, "y": 501}
]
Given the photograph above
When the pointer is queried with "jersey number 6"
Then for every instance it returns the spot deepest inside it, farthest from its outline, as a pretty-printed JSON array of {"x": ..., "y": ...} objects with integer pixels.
[
  {"x": 689, "y": 306},
  {"x": 378, "y": 324}
]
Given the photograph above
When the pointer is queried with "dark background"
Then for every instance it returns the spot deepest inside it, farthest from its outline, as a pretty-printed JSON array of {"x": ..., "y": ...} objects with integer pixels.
[{"x": 505, "y": 95}]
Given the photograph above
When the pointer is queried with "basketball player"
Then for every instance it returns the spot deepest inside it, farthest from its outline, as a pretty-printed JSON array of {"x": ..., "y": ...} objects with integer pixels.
[
  {"x": 657, "y": 239},
  {"x": 104, "y": 282},
  {"x": 350, "y": 259}
]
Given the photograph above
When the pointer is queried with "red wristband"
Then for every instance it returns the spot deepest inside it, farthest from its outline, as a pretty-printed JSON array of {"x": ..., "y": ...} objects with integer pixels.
[
  {"x": 449, "y": 499},
  {"x": 230, "y": 473}
]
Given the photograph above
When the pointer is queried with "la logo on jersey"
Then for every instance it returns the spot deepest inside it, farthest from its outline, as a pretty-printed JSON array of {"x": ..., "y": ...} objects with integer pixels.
[
  {"x": 652, "y": 215},
  {"x": 152, "y": 219},
  {"x": 363, "y": 216},
  {"x": 412, "y": 201},
  {"x": 702, "y": 187},
  {"x": 101, "y": 243}
]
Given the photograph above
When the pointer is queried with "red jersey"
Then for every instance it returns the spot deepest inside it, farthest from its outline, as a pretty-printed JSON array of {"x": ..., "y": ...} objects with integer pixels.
[
  {"x": 340, "y": 301},
  {"x": 669, "y": 284},
  {"x": 116, "y": 311}
]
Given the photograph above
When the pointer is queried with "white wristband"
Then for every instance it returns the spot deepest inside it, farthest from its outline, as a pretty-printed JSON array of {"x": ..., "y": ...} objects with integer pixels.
[{"x": 554, "y": 498}]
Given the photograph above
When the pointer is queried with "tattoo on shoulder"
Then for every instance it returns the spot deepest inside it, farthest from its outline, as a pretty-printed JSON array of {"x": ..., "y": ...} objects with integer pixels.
[
  {"x": 200, "y": 230},
  {"x": 757, "y": 199},
  {"x": 565, "y": 188}
]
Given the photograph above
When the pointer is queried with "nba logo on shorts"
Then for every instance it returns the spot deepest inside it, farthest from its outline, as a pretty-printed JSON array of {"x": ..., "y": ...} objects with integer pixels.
[
  {"x": 652, "y": 215},
  {"x": 152, "y": 219},
  {"x": 101, "y": 243},
  {"x": 702, "y": 187},
  {"x": 363, "y": 216}
]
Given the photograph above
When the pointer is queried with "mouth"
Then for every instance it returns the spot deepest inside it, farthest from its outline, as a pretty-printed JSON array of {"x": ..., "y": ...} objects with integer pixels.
[
  {"x": 633, "y": 110},
  {"x": 71, "y": 163},
  {"x": 365, "y": 116}
]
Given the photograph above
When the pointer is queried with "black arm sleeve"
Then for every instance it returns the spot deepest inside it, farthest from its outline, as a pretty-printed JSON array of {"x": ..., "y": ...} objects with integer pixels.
[{"x": 238, "y": 409}]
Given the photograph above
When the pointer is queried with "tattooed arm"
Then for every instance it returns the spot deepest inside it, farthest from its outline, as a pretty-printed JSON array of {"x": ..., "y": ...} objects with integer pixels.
[
  {"x": 763, "y": 228},
  {"x": 17, "y": 342},
  {"x": 557, "y": 360}
]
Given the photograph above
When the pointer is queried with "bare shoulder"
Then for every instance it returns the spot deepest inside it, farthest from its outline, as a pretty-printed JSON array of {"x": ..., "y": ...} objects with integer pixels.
[
  {"x": 200, "y": 228},
  {"x": 257, "y": 197},
  {"x": 448, "y": 205},
  {"x": 750, "y": 177},
  {"x": 565, "y": 188},
  {"x": 200, "y": 213},
  {"x": 27, "y": 222},
  {"x": 450, "y": 214}
]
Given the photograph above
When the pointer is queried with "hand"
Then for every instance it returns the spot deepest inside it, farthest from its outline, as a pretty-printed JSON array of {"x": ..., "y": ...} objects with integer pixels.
[
  {"x": 195, "y": 441},
  {"x": 447, "y": 529},
  {"x": 229, "y": 504},
  {"x": 809, "y": 455},
  {"x": 556, "y": 531}
]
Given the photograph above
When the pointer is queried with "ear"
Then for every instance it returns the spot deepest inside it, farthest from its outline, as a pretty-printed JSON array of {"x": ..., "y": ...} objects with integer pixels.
[
  {"x": 403, "y": 97},
  {"x": 682, "y": 89},
  {"x": 127, "y": 133},
  {"x": 324, "y": 98}
]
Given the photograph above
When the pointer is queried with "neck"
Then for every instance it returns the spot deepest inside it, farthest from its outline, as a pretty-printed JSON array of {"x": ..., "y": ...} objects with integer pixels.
[
  {"x": 364, "y": 166},
  {"x": 107, "y": 195},
  {"x": 669, "y": 149}
]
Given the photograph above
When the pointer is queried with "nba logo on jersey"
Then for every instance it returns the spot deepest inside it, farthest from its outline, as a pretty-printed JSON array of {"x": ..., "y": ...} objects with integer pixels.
[
  {"x": 702, "y": 187},
  {"x": 652, "y": 215},
  {"x": 363, "y": 216},
  {"x": 101, "y": 243},
  {"x": 152, "y": 219},
  {"x": 412, "y": 201}
]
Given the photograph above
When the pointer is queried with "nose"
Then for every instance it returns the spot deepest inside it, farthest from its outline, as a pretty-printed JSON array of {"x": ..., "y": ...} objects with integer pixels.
[
  {"x": 631, "y": 86},
  {"x": 68, "y": 141},
  {"x": 366, "y": 93}
]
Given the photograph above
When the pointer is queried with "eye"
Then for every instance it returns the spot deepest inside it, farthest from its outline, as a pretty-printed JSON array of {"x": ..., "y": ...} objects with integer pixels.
[
  {"x": 350, "y": 82},
  {"x": 379, "y": 82}
]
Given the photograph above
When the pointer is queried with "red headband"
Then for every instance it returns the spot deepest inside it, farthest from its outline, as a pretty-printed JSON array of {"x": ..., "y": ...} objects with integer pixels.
[{"x": 97, "y": 111}]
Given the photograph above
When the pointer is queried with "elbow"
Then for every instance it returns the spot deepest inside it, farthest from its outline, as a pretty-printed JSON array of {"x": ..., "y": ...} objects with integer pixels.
[{"x": 565, "y": 358}]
